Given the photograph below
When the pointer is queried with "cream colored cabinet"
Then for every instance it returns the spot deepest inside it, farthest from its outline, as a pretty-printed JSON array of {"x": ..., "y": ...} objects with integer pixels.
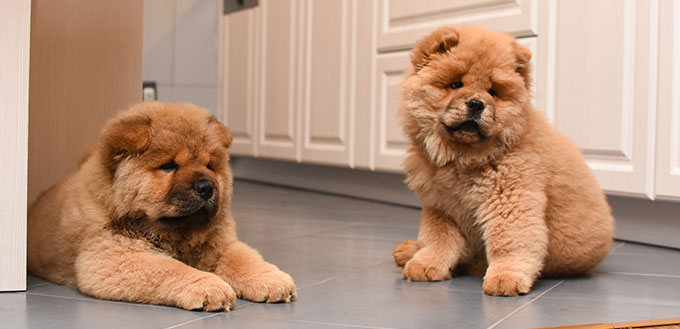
[
  {"x": 317, "y": 80},
  {"x": 668, "y": 118},
  {"x": 291, "y": 76}
]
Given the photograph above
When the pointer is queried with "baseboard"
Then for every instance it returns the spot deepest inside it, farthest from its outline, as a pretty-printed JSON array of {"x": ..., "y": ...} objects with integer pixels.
[
  {"x": 637, "y": 220},
  {"x": 371, "y": 185}
]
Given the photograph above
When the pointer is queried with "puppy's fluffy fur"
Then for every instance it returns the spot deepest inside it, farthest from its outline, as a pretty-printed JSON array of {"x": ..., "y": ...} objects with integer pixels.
[
  {"x": 146, "y": 218},
  {"x": 503, "y": 193}
]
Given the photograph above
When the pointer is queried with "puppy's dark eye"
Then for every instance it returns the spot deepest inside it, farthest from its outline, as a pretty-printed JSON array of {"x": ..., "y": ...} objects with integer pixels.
[
  {"x": 492, "y": 92},
  {"x": 169, "y": 166},
  {"x": 209, "y": 167},
  {"x": 457, "y": 85}
]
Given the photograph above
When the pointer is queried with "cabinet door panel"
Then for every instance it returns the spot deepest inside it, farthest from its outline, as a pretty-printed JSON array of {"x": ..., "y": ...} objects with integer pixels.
[
  {"x": 237, "y": 81},
  {"x": 402, "y": 22},
  {"x": 600, "y": 89},
  {"x": 326, "y": 108},
  {"x": 277, "y": 86},
  {"x": 668, "y": 123},
  {"x": 389, "y": 139}
]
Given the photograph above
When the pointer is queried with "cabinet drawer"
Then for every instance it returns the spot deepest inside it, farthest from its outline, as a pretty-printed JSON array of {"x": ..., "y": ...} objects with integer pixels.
[{"x": 402, "y": 22}]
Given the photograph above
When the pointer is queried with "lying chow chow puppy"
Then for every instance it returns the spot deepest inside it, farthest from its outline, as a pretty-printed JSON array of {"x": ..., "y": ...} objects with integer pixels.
[
  {"x": 146, "y": 218},
  {"x": 503, "y": 193}
]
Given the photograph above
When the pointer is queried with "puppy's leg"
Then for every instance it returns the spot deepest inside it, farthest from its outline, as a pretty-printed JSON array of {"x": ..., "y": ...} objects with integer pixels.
[
  {"x": 118, "y": 268},
  {"x": 404, "y": 251},
  {"x": 516, "y": 239},
  {"x": 442, "y": 246},
  {"x": 251, "y": 277}
]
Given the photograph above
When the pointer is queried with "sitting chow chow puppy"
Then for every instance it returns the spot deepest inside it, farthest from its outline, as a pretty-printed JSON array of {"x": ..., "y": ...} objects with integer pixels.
[
  {"x": 503, "y": 193},
  {"x": 146, "y": 218}
]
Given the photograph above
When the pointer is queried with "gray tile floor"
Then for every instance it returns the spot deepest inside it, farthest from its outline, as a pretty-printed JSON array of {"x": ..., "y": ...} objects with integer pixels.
[{"x": 339, "y": 252}]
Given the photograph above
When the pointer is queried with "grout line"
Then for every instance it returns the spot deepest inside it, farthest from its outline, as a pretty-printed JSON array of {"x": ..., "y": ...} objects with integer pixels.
[
  {"x": 673, "y": 276},
  {"x": 621, "y": 244},
  {"x": 306, "y": 235},
  {"x": 340, "y": 324},
  {"x": 108, "y": 301},
  {"x": 37, "y": 285},
  {"x": 612, "y": 301},
  {"x": 343, "y": 275},
  {"x": 525, "y": 305},
  {"x": 190, "y": 321}
]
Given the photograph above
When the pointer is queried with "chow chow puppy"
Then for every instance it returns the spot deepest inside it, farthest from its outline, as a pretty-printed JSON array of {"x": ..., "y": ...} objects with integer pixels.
[
  {"x": 146, "y": 218},
  {"x": 503, "y": 193}
]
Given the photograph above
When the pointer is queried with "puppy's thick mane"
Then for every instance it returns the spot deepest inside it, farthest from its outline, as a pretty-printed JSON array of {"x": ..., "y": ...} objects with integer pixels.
[{"x": 449, "y": 54}]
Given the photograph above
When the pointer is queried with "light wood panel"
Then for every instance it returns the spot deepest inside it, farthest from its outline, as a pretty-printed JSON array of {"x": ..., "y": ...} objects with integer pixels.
[
  {"x": 403, "y": 21},
  {"x": 668, "y": 123},
  {"x": 15, "y": 24},
  {"x": 599, "y": 94},
  {"x": 86, "y": 64}
]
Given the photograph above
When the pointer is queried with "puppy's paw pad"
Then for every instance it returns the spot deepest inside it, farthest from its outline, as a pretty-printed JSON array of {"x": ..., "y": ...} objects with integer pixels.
[
  {"x": 507, "y": 283},
  {"x": 404, "y": 251},
  {"x": 208, "y": 294},
  {"x": 417, "y": 270},
  {"x": 270, "y": 287}
]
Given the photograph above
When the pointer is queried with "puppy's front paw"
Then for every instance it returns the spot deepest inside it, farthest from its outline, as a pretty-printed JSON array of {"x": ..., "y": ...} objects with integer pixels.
[
  {"x": 507, "y": 283},
  {"x": 404, "y": 251},
  {"x": 210, "y": 293},
  {"x": 272, "y": 287},
  {"x": 419, "y": 270}
]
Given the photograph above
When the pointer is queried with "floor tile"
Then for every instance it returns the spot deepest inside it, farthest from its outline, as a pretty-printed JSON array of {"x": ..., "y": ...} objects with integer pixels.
[
  {"x": 312, "y": 259},
  {"x": 608, "y": 287},
  {"x": 21, "y": 310},
  {"x": 32, "y": 281},
  {"x": 238, "y": 320},
  {"x": 634, "y": 258},
  {"x": 352, "y": 300},
  {"x": 388, "y": 275},
  {"x": 384, "y": 232},
  {"x": 550, "y": 312},
  {"x": 56, "y": 290}
]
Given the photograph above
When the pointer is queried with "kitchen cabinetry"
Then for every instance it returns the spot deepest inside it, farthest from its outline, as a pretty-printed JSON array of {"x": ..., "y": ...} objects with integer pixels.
[{"x": 317, "y": 81}]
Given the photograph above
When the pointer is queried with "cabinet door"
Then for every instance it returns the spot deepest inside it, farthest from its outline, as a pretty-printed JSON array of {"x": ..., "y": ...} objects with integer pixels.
[
  {"x": 277, "y": 125},
  {"x": 327, "y": 103},
  {"x": 402, "y": 22},
  {"x": 600, "y": 75},
  {"x": 668, "y": 123},
  {"x": 237, "y": 79}
]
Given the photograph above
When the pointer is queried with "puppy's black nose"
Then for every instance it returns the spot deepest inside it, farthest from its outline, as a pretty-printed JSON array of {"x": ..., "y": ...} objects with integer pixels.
[
  {"x": 204, "y": 189},
  {"x": 475, "y": 106}
]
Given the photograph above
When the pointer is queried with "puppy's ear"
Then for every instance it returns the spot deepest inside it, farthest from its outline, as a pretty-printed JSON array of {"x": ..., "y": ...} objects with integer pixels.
[
  {"x": 523, "y": 56},
  {"x": 124, "y": 137},
  {"x": 438, "y": 42},
  {"x": 222, "y": 132}
]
